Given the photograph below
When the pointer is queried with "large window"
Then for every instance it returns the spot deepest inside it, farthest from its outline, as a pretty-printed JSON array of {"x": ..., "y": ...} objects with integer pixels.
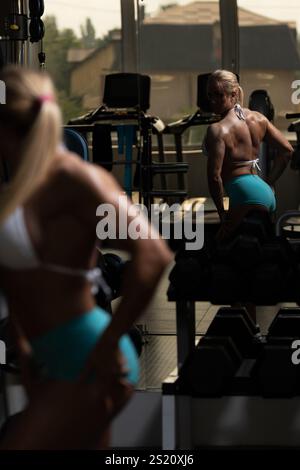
[
  {"x": 82, "y": 45},
  {"x": 177, "y": 41},
  {"x": 269, "y": 51}
]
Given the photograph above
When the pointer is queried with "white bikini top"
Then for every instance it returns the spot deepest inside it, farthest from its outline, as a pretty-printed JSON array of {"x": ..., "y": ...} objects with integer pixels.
[
  {"x": 240, "y": 114},
  {"x": 17, "y": 252}
]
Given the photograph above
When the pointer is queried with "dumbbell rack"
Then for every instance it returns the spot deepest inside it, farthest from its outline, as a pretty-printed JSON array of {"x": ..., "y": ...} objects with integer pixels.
[{"x": 242, "y": 415}]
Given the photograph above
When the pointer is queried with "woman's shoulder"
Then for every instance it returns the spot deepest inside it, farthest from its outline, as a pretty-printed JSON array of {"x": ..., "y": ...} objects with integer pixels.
[
  {"x": 66, "y": 163},
  {"x": 68, "y": 166},
  {"x": 213, "y": 135},
  {"x": 74, "y": 177},
  {"x": 255, "y": 116},
  {"x": 215, "y": 131}
]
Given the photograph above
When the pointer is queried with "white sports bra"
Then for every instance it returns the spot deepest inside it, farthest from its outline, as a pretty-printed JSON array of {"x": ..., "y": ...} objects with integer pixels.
[{"x": 17, "y": 252}]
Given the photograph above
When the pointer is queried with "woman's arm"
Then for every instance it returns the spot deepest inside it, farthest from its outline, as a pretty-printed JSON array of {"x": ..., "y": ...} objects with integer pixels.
[
  {"x": 216, "y": 151},
  {"x": 283, "y": 151},
  {"x": 150, "y": 255}
]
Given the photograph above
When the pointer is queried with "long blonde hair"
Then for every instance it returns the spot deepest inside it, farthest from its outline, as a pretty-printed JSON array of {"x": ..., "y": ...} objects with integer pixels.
[
  {"x": 230, "y": 83},
  {"x": 32, "y": 116}
]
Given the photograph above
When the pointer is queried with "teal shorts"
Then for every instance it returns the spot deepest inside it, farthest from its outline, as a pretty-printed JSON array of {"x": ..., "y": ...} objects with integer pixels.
[
  {"x": 248, "y": 190},
  {"x": 62, "y": 352}
]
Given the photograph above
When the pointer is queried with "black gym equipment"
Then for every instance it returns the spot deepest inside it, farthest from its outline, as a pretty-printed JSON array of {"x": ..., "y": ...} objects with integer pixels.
[
  {"x": 244, "y": 251},
  {"x": 113, "y": 269},
  {"x": 221, "y": 279},
  {"x": 285, "y": 324},
  {"x": 260, "y": 101},
  {"x": 36, "y": 29},
  {"x": 126, "y": 96},
  {"x": 22, "y": 21},
  {"x": 233, "y": 358},
  {"x": 257, "y": 265},
  {"x": 226, "y": 271},
  {"x": 224, "y": 358},
  {"x": 274, "y": 371},
  {"x": 36, "y": 8},
  {"x": 209, "y": 370},
  {"x": 36, "y": 25},
  {"x": 125, "y": 102},
  {"x": 16, "y": 23},
  {"x": 187, "y": 275},
  {"x": 16, "y": 27},
  {"x": 252, "y": 266},
  {"x": 236, "y": 324},
  {"x": 127, "y": 90},
  {"x": 136, "y": 336}
]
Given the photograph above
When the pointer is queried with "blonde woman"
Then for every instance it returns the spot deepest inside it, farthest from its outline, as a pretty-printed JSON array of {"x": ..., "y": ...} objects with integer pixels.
[
  {"x": 48, "y": 251},
  {"x": 232, "y": 146}
]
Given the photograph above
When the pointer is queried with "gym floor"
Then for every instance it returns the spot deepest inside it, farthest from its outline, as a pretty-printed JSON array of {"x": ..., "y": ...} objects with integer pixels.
[{"x": 159, "y": 356}]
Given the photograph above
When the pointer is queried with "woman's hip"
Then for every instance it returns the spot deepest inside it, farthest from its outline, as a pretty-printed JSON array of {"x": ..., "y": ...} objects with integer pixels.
[
  {"x": 250, "y": 190},
  {"x": 62, "y": 352}
]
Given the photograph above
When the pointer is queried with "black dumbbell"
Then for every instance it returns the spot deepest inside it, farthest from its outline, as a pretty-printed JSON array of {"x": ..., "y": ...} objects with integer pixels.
[
  {"x": 277, "y": 251},
  {"x": 285, "y": 324},
  {"x": 269, "y": 284},
  {"x": 188, "y": 277},
  {"x": 274, "y": 371},
  {"x": 243, "y": 252},
  {"x": 210, "y": 368},
  {"x": 137, "y": 339},
  {"x": 224, "y": 284},
  {"x": 113, "y": 268},
  {"x": 236, "y": 324},
  {"x": 228, "y": 311},
  {"x": 295, "y": 252},
  {"x": 257, "y": 224},
  {"x": 246, "y": 252},
  {"x": 203, "y": 256}
]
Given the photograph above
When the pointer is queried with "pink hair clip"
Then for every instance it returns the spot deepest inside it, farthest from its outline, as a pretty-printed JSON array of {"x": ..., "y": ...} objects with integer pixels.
[{"x": 44, "y": 98}]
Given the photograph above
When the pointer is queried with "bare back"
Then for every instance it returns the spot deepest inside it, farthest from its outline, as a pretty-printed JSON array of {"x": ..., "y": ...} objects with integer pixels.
[
  {"x": 232, "y": 141},
  {"x": 61, "y": 223},
  {"x": 242, "y": 141}
]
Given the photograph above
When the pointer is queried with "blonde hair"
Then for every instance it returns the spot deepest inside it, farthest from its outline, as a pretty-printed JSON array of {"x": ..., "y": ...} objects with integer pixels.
[
  {"x": 33, "y": 118},
  {"x": 229, "y": 82}
]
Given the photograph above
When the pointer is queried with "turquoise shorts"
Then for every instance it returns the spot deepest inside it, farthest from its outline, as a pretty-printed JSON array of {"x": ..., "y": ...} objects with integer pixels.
[
  {"x": 248, "y": 190},
  {"x": 62, "y": 352}
]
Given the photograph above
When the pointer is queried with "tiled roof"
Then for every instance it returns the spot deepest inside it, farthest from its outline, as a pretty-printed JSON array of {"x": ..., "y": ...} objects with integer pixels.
[{"x": 202, "y": 12}]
